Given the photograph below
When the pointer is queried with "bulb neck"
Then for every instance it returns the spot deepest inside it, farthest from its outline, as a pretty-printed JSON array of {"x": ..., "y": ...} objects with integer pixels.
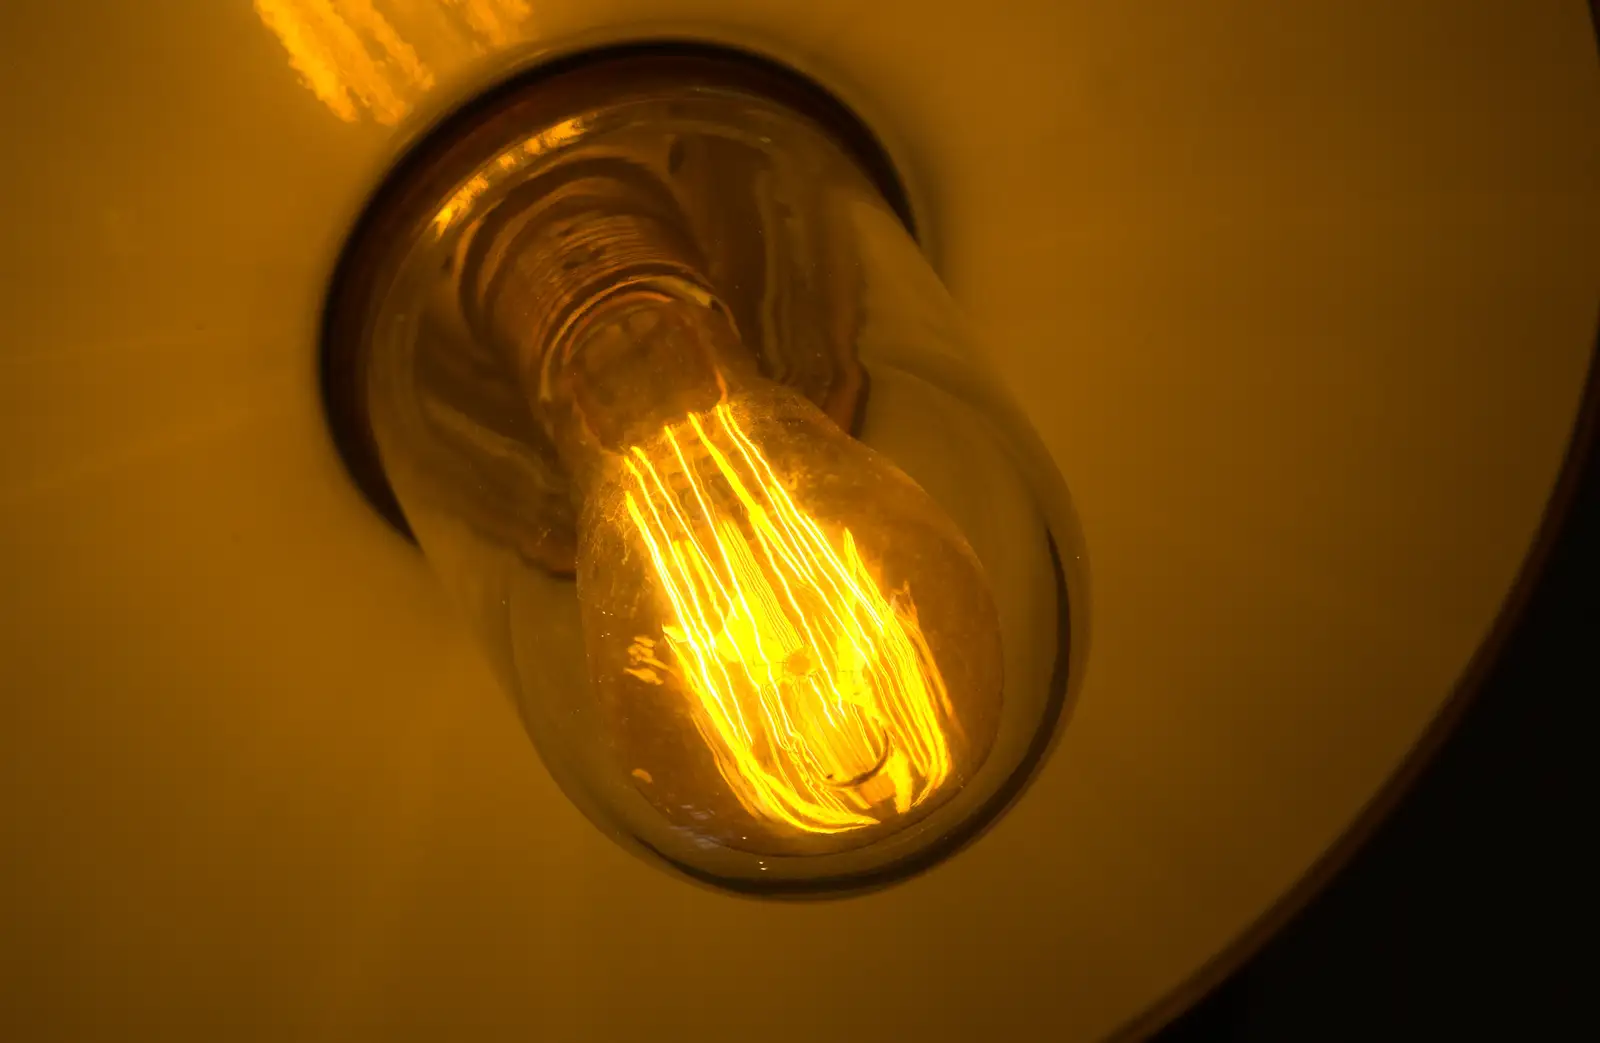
[
  {"x": 639, "y": 360},
  {"x": 588, "y": 282}
]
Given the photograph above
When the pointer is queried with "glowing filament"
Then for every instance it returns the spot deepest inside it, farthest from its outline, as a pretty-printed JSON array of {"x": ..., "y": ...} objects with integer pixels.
[{"x": 818, "y": 696}]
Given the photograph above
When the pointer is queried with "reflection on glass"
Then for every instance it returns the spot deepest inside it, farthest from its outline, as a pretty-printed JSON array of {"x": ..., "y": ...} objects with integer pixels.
[{"x": 376, "y": 57}]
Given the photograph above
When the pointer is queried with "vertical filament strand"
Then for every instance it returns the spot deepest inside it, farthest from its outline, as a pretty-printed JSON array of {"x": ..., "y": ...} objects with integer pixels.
[{"x": 818, "y": 697}]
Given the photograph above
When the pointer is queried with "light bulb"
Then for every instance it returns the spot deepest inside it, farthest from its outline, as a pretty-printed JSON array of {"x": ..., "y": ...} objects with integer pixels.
[
  {"x": 792, "y": 649},
  {"x": 642, "y": 356}
]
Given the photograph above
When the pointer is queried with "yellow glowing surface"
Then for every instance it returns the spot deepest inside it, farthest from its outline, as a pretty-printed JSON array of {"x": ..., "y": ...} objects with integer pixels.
[
  {"x": 818, "y": 696},
  {"x": 372, "y": 56}
]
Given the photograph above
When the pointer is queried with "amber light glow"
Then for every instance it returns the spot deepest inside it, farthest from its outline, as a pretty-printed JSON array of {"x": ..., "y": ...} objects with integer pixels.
[
  {"x": 377, "y": 57},
  {"x": 817, "y": 695}
]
